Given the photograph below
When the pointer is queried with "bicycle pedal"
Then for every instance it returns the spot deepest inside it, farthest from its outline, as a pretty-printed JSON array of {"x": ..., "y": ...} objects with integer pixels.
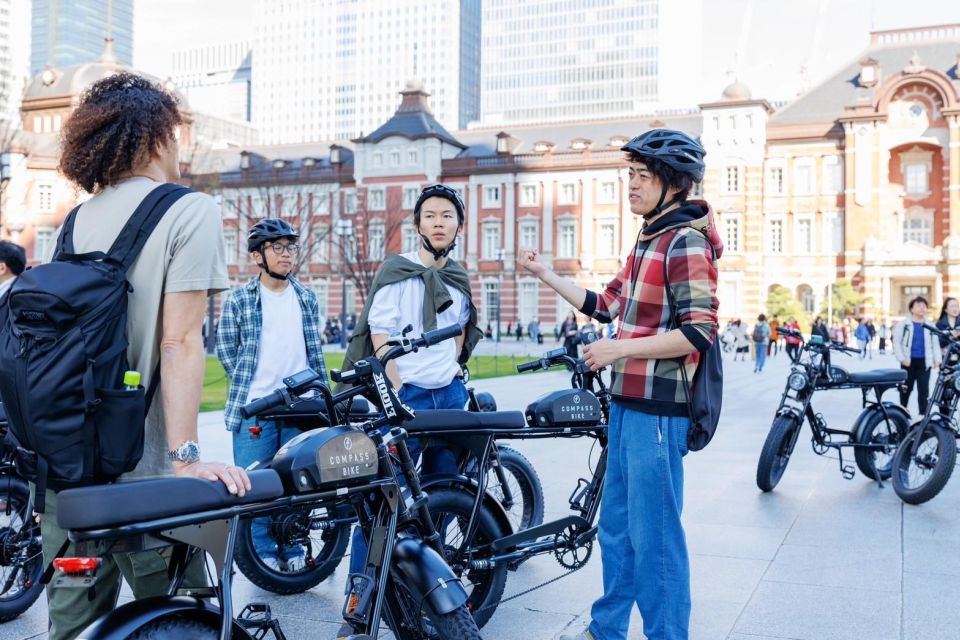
[
  {"x": 848, "y": 472},
  {"x": 255, "y": 615}
]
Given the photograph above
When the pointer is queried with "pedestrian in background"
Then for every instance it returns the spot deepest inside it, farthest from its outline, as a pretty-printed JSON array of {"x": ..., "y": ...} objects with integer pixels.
[
  {"x": 761, "y": 337},
  {"x": 918, "y": 351}
]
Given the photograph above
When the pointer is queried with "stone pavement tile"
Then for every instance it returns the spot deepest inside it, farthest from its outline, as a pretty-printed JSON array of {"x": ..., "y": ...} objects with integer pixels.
[
  {"x": 808, "y": 612},
  {"x": 933, "y": 556},
  {"x": 856, "y": 529},
  {"x": 720, "y": 579},
  {"x": 750, "y": 636},
  {"x": 526, "y": 624},
  {"x": 712, "y": 619},
  {"x": 31, "y": 623},
  {"x": 831, "y": 567},
  {"x": 766, "y": 510},
  {"x": 930, "y": 610},
  {"x": 733, "y": 541}
]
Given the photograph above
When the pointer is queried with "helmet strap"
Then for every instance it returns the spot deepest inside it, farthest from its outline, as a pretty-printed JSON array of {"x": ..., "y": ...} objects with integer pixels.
[
  {"x": 661, "y": 205},
  {"x": 436, "y": 253},
  {"x": 263, "y": 265}
]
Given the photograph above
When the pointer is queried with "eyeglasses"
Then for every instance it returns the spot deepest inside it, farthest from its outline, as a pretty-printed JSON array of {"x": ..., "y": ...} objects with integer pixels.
[{"x": 280, "y": 248}]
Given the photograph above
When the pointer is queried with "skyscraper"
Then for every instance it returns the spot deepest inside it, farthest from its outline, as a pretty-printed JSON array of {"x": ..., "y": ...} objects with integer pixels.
[
  {"x": 70, "y": 32},
  {"x": 216, "y": 79},
  {"x": 549, "y": 61},
  {"x": 14, "y": 60},
  {"x": 331, "y": 70}
]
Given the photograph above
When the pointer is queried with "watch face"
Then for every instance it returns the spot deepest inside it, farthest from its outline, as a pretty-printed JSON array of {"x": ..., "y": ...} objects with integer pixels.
[{"x": 190, "y": 451}]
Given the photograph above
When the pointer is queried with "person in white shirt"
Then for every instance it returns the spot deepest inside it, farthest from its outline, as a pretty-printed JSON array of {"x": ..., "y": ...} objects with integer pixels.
[
  {"x": 269, "y": 329},
  {"x": 13, "y": 260},
  {"x": 426, "y": 290}
]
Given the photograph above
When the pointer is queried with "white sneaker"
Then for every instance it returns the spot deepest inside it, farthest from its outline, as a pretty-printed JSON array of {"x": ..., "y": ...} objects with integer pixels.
[
  {"x": 583, "y": 635},
  {"x": 296, "y": 564},
  {"x": 272, "y": 564}
]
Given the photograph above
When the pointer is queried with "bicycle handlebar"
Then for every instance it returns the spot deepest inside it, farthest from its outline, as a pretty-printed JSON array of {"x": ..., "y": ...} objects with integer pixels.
[{"x": 362, "y": 371}]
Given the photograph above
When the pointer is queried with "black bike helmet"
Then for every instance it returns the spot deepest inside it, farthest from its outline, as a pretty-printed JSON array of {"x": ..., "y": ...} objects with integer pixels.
[
  {"x": 267, "y": 231},
  {"x": 675, "y": 148},
  {"x": 437, "y": 191}
]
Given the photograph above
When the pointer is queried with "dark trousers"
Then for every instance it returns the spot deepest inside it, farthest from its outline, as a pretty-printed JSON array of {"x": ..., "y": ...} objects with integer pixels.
[
  {"x": 918, "y": 372},
  {"x": 793, "y": 350}
]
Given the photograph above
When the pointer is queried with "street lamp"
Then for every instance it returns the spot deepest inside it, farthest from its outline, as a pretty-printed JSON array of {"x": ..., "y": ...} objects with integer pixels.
[
  {"x": 500, "y": 253},
  {"x": 344, "y": 231}
]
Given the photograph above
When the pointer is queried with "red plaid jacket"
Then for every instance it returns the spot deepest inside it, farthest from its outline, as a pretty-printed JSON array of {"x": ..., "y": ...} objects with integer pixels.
[{"x": 637, "y": 295}]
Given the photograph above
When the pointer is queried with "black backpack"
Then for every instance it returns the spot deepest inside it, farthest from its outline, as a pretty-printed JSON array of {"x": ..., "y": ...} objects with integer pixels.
[
  {"x": 705, "y": 395},
  {"x": 63, "y": 353}
]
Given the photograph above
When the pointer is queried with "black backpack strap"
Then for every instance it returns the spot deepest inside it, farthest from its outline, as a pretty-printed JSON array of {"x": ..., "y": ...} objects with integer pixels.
[
  {"x": 675, "y": 321},
  {"x": 152, "y": 390},
  {"x": 135, "y": 233},
  {"x": 65, "y": 239}
]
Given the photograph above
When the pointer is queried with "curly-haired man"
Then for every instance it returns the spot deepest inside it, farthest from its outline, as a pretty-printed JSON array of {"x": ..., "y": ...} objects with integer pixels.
[{"x": 120, "y": 144}]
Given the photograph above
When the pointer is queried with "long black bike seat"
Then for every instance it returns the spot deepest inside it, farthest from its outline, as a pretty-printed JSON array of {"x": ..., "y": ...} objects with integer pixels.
[
  {"x": 110, "y": 505},
  {"x": 878, "y": 376},
  {"x": 448, "y": 419}
]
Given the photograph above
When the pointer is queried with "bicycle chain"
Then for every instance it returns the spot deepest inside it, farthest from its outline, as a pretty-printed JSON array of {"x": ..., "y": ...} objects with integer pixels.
[{"x": 530, "y": 590}]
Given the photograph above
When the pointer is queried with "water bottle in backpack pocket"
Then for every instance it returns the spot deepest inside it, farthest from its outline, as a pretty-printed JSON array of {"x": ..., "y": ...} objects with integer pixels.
[{"x": 63, "y": 356}]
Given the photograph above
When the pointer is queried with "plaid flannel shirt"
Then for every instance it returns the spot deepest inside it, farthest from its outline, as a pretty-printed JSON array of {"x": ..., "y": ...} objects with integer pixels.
[
  {"x": 640, "y": 301},
  {"x": 238, "y": 340}
]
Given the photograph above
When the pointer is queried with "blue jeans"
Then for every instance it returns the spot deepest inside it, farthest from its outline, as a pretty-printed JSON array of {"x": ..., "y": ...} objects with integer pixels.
[
  {"x": 436, "y": 459},
  {"x": 761, "y": 355},
  {"x": 642, "y": 543},
  {"x": 246, "y": 451}
]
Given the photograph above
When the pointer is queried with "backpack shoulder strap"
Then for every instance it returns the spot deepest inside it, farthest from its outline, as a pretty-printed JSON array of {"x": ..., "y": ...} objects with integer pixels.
[
  {"x": 135, "y": 233},
  {"x": 65, "y": 239}
]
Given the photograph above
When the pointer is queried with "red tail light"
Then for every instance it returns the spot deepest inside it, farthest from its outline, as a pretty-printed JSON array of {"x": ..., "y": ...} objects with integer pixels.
[{"x": 76, "y": 565}]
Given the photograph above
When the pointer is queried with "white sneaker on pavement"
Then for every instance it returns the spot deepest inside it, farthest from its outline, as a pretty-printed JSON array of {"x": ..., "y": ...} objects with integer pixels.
[{"x": 583, "y": 635}]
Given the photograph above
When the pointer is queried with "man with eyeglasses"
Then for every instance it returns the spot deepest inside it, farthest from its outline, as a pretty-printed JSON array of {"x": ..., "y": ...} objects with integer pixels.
[{"x": 269, "y": 329}]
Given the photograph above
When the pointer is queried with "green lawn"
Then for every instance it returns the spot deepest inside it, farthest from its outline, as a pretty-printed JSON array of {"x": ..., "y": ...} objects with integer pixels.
[{"x": 215, "y": 380}]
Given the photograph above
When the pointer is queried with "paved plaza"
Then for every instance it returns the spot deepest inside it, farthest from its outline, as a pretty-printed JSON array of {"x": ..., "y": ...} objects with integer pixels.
[{"x": 820, "y": 558}]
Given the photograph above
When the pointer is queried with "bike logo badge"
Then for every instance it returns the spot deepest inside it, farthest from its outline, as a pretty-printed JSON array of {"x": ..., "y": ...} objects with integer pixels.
[
  {"x": 384, "y": 392},
  {"x": 576, "y": 399},
  {"x": 347, "y": 443}
]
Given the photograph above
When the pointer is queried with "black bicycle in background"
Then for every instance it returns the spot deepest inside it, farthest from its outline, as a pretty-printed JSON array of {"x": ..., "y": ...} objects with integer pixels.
[
  {"x": 874, "y": 435},
  {"x": 21, "y": 550},
  {"x": 925, "y": 459},
  {"x": 405, "y": 580}
]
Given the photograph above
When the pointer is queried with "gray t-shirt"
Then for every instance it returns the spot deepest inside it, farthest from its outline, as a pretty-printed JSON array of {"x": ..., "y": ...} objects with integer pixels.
[{"x": 184, "y": 253}]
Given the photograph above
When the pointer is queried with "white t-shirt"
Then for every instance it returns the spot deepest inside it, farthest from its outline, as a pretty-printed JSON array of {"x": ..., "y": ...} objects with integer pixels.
[
  {"x": 282, "y": 350},
  {"x": 401, "y": 303},
  {"x": 6, "y": 284}
]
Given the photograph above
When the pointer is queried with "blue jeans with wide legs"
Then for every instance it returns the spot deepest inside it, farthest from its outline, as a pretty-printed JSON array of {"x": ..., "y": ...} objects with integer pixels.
[
  {"x": 642, "y": 543},
  {"x": 247, "y": 450},
  {"x": 436, "y": 459}
]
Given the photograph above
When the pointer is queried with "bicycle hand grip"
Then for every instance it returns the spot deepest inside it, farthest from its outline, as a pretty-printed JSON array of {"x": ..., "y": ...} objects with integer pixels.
[
  {"x": 529, "y": 366},
  {"x": 439, "y": 335},
  {"x": 260, "y": 405}
]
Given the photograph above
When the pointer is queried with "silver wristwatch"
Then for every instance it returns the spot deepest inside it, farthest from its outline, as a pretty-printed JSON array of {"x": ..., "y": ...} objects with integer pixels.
[{"x": 188, "y": 452}]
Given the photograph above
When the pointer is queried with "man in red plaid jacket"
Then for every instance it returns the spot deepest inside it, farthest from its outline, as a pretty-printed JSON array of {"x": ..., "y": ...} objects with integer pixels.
[{"x": 642, "y": 542}]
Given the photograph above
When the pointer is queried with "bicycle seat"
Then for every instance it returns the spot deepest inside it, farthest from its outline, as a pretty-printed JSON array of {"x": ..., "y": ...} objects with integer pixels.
[
  {"x": 878, "y": 376},
  {"x": 112, "y": 505},
  {"x": 447, "y": 419}
]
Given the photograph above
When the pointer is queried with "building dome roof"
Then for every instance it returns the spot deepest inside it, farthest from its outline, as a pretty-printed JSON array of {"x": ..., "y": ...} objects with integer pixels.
[
  {"x": 737, "y": 91},
  {"x": 67, "y": 82}
]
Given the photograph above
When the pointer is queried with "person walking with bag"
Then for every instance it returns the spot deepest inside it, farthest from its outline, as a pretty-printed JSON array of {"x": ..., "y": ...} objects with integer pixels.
[{"x": 918, "y": 351}]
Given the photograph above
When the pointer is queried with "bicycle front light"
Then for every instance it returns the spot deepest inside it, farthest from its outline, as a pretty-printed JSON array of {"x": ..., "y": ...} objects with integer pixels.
[{"x": 797, "y": 381}]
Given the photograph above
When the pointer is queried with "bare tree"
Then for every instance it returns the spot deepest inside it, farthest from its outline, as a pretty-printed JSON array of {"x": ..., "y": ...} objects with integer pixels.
[{"x": 373, "y": 232}]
